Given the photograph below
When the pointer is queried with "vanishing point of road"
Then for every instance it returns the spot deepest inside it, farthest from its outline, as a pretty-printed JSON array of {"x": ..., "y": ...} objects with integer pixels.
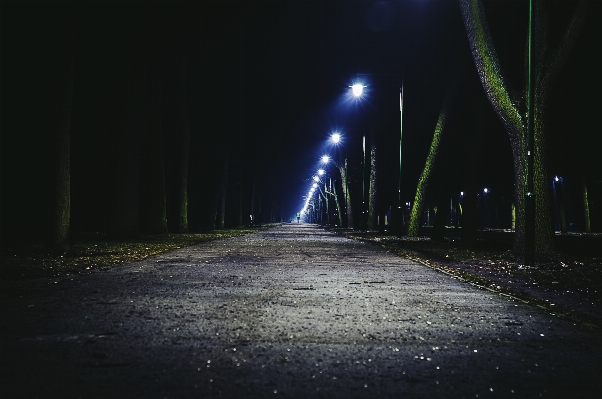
[{"x": 292, "y": 311}]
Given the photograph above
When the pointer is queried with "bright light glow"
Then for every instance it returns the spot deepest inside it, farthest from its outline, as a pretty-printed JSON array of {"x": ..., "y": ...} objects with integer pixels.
[
  {"x": 461, "y": 193},
  {"x": 321, "y": 172},
  {"x": 485, "y": 190},
  {"x": 315, "y": 185},
  {"x": 316, "y": 179},
  {"x": 336, "y": 137},
  {"x": 357, "y": 89},
  {"x": 325, "y": 159}
]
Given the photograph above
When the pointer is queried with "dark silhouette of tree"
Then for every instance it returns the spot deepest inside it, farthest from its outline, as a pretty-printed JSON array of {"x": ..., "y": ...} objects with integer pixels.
[
  {"x": 153, "y": 205},
  {"x": 177, "y": 130},
  {"x": 223, "y": 190},
  {"x": 126, "y": 157},
  {"x": 511, "y": 107},
  {"x": 61, "y": 102}
]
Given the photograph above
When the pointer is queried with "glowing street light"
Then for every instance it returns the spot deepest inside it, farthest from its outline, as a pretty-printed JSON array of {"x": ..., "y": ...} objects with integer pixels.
[
  {"x": 316, "y": 179},
  {"x": 357, "y": 89},
  {"x": 321, "y": 172},
  {"x": 336, "y": 137},
  {"x": 325, "y": 159}
]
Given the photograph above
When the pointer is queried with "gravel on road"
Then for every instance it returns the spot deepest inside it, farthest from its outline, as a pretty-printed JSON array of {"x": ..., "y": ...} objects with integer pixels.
[{"x": 292, "y": 311}]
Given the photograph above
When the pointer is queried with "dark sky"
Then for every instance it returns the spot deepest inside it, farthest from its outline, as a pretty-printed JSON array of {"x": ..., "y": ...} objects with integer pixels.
[{"x": 270, "y": 79}]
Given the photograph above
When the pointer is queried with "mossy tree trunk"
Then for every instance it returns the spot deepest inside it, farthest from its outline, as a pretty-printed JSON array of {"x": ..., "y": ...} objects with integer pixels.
[
  {"x": 511, "y": 108},
  {"x": 423, "y": 182},
  {"x": 372, "y": 190}
]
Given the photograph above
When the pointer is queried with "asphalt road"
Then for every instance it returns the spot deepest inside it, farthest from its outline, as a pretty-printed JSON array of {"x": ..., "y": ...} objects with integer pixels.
[{"x": 292, "y": 311}]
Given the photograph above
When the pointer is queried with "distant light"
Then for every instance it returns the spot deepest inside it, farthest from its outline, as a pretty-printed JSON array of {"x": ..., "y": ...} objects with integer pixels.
[
  {"x": 461, "y": 193},
  {"x": 557, "y": 178},
  {"x": 314, "y": 186},
  {"x": 316, "y": 179},
  {"x": 321, "y": 172},
  {"x": 325, "y": 159},
  {"x": 357, "y": 89},
  {"x": 485, "y": 190},
  {"x": 336, "y": 137}
]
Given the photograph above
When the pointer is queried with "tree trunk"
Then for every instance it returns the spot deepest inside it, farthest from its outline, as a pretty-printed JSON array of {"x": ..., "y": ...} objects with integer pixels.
[
  {"x": 124, "y": 219},
  {"x": 184, "y": 157},
  {"x": 416, "y": 214},
  {"x": 586, "y": 215},
  {"x": 223, "y": 189},
  {"x": 60, "y": 125},
  {"x": 372, "y": 191},
  {"x": 547, "y": 66},
  {"x": 153, "y": 203},
  {"x": 346, "y": 194},
  {"x": 61, "y": 174}
]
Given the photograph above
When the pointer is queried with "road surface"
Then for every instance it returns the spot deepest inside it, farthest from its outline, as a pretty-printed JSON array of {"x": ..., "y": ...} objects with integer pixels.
[{"x": 292, "y": 311}]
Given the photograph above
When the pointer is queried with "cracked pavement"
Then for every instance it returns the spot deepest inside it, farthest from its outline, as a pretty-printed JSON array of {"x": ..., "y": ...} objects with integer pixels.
[{"x": 292, "y": 311}]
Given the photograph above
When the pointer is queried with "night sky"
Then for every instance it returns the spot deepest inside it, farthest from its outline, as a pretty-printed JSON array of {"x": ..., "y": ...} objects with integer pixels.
[{"x": 267, "y": 82}]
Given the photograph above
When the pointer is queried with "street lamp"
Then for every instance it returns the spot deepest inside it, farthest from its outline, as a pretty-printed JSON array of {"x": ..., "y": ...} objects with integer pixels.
[
  {"x": 325, "y": 159},
  {"x": 335, "y": 138},
  {"x": 357, "y": 89}
]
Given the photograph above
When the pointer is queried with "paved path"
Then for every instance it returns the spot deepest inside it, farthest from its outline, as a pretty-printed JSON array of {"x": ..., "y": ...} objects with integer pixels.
[{"x": 292, "y": 311}]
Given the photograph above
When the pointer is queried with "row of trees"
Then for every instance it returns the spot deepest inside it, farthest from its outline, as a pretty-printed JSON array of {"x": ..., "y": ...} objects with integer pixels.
[
  {"x": 552, "y": 51},
  {"x": 99, "y": 136}
]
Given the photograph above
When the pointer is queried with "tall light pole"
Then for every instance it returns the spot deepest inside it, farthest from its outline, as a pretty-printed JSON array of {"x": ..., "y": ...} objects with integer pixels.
[
  {"x": 357, "y": 92},
  {"x": 399, "y": 213}
]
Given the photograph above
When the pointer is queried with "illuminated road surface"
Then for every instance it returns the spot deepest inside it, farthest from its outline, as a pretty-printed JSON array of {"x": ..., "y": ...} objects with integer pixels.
[{"x": 293, "y": 311}]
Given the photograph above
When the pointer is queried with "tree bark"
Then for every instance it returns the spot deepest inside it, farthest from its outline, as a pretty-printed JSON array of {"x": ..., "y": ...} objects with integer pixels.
[
  {"x": 586, "y": 215},
  {"x": 124, "y": 219},
  {"x": 153, "y": 203},
  {"x": 372, "y": 191},
  {"x": 416, "y": 214},
  {"x": 509, "y": 107},
  {"x": 223, "y": 189},
  {"x": 61, "y": 171},
  {"x": 346, "y": 194},
  {"x": 62, "y": 105}
]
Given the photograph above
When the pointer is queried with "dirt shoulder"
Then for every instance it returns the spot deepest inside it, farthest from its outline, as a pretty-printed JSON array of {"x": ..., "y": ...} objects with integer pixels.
[{"x": 568, "y": 284}]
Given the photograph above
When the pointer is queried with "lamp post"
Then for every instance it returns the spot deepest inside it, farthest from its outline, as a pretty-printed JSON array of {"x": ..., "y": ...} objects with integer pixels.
[
  {"x": 399, "y": 213},
  {"x": 358, "y": 90}
]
